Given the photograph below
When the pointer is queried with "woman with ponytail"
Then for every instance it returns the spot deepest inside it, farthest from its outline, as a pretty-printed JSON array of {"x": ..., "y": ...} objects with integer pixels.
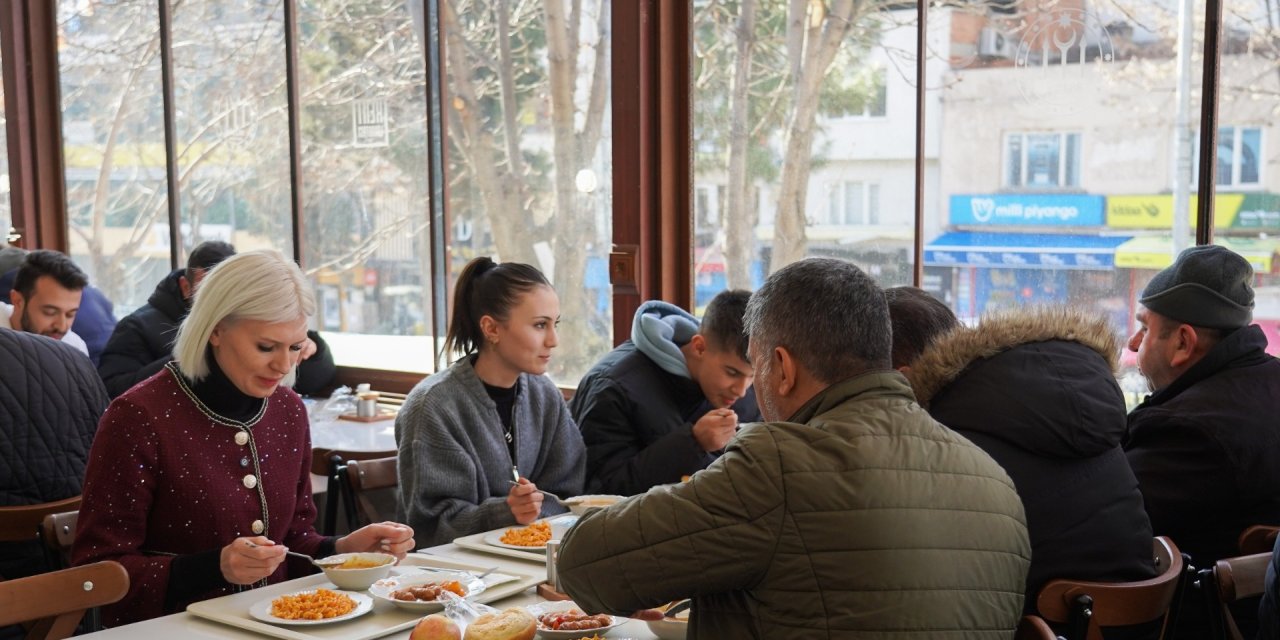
[{"x": 469, "y": 433}]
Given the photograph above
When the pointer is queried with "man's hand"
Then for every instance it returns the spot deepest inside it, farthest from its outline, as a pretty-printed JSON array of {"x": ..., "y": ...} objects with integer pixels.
[
  {"x": 714, "y": 430},
  {"x": 309, "y": 349}
]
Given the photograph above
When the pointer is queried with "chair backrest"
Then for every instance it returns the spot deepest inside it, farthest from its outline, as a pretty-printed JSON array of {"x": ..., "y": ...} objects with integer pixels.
[
  {"x": 18, "y": 524},
  {"x": 56, "y": 601},
  {"x": 1087, "y": 606},
  {"x": 329, "y": 463},
  {"x": 1233, "y": 579},
  {"x": 1034, "y": 628},
  {"x": 1259, "y": 538},
  {"x": 362, "y": 476},
  {"x": 58, "y": 531}
]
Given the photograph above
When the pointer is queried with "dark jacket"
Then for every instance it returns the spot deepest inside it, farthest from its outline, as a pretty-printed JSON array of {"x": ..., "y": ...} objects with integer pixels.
[
  {"x": 94, "y": 321},
  {"x": 50, "y": 402},
  {"x": 637, "y": 422},
  {"x": 1037, "y": 391},
  {"x": 1205, "y": 450},
  {"x": 143, "y": 342},
  {"x": 860, "y": 517}
]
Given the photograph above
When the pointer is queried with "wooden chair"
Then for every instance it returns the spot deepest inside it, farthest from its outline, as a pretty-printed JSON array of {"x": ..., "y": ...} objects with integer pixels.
[
  {"x": 58, "y": 532},
  {"x": 56, "y": 601},
  {"x": 1034, "y": 628},
  {"x": 1087, "y": 606},
  {"x": 329, "y": 463},
  {"x": 1231, "y": 580},
  {"x": 358, "y": 478},
  {"x": 1259, "y": 538},
  {"x": 19, "y": 524}
]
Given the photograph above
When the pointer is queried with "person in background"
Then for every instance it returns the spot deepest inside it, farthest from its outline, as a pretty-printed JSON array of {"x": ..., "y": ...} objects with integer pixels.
[
  {"x": 479, "y": 439},
  {"x": 46, "y": 297},
  {"x": 199, "y": 478},
  {"x": 664, "y": 404},
  {"x": 1036, "y": 389},
  {"x": 142, "y": 342},
  {"x": 1204, "y": 444},
  {"x": 851, "y": 513},
  {"x": 94, "y": 321},
  {"x": 52, "y": 400}
]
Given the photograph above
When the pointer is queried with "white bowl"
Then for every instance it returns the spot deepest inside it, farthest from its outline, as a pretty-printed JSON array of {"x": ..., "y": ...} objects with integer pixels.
[
  {"x": 358, "y": 579},
  {"x": 669, "y": 628},
  {"x": 579, "y": 505}
]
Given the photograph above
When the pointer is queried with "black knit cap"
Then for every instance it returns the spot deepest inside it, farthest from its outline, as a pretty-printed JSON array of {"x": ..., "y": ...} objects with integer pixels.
[{"x": 1207, "y": 286}]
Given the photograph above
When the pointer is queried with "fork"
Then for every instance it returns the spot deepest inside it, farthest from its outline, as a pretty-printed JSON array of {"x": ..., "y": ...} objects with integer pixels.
[
  {"x": 326, "y": 565},
  {"x": 549, "y": 495}
]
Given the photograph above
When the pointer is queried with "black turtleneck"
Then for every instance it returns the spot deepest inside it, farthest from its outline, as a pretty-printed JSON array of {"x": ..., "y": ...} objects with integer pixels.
[{"x": 221, "y": 396}]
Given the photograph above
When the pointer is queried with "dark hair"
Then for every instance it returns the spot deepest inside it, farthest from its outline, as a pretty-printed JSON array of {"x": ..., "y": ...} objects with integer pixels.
[
  {"x": 917, "y": 318},
  {"x": 44, "y": 262},
  {"x": 722, "y": 323},
  {"x": 486, "y": 288},
  {"x": 206, "y": 256},
  {"x": 828, "y": 313}
]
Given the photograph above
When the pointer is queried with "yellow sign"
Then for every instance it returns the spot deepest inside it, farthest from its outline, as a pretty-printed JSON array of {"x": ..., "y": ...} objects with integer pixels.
[
  {"x": 1156, "y": 252},
  {"x": 1156, "y": 212}
]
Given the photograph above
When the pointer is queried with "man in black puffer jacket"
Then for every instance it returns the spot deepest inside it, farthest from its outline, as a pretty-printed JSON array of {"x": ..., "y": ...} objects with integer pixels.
[
  {"x": 1205, "y": 443},
  {"x": 1036, "y": 390},
  {"x": 50, "y": 402},
  {"x": 143, "y": 341}
]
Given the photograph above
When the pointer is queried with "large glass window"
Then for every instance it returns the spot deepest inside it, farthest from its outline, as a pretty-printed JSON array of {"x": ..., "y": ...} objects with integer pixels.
[
  {"x": 6, "y": 208},
  {"x": 113, "y": 146},
  {"x": 365, "y": 176},
  {"x": 231, "y": 121},
  {"x": 803, "y": 115},
  {"x": 529, "y": 153}
]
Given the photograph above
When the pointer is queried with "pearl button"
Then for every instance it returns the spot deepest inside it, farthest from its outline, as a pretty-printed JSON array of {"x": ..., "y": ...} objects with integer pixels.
[
  {"x": 250, "y": 481},
  {"x": 258, "y": 527},
  {"x": 242, "y": 438}
]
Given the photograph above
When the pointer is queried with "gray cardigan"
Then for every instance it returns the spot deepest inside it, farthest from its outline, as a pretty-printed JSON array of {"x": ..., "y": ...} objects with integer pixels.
[{"x": 455, "y": 468}]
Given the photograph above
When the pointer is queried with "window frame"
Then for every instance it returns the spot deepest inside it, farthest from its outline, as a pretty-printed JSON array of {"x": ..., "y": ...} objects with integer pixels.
[
  {"x": 653, "y": 181},
  {"x": 1068, "y": 160}
]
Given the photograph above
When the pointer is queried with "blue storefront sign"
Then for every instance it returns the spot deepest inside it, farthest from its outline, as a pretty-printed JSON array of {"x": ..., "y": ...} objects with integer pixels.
[
  {"x": 1060, "y": 210},
  {"x": 1022, "y": 250}
]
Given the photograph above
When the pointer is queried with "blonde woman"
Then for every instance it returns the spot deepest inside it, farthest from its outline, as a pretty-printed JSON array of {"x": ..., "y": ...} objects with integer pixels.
[{"x": 198, "y": 480}]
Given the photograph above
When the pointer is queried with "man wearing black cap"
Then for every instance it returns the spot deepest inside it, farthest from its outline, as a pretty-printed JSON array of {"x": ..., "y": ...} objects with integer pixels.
[
  {"x": 1205, "y": 444},
  {"x": 143, "y": 341}
]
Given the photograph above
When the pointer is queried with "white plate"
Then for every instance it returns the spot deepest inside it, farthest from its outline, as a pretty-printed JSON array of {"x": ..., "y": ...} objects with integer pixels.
[
  {"x": 559, "y": 527},
  {"x": 552, "y": 607},
  {"x": 262, "y": 610},
  {"x": 382, "y": 589},
  {"x": 579, "y": 505}
]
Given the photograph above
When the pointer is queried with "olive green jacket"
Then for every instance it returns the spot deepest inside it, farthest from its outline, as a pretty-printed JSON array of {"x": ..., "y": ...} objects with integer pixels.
[{"x": 861, "y": 518}]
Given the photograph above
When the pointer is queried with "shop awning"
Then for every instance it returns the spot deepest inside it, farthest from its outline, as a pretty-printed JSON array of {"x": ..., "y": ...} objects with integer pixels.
[
  {"x": 1156, "y": 252},
  {"x": 1022, "y": 250}
]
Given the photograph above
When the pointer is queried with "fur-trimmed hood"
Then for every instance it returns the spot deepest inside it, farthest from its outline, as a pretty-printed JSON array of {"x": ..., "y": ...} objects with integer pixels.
[
  {"x": 949, "y": 355},
  {"x": 1042, "y": 379}
]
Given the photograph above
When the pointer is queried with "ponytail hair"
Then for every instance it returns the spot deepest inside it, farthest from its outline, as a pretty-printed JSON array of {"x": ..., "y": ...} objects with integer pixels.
[{"x": 486, "y": 288}]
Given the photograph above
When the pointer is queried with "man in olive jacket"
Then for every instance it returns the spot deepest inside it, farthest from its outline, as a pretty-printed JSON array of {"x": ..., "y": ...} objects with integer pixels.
[{"x": 852, "y": 514}]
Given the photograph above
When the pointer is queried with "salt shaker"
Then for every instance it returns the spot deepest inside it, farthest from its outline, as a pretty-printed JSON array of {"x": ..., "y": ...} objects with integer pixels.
[
  {"x": 367, "y": 404},
  {"x": 553, "y": 555}
]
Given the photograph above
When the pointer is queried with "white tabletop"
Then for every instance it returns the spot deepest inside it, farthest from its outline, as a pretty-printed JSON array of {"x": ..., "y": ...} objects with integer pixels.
[
  {"x": 185, "y": 625},
  {"x": 348, "y": 435}
]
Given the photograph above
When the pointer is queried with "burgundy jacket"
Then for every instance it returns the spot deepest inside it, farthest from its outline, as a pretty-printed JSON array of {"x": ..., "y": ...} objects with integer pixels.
[{"x": 167, "y": 476}]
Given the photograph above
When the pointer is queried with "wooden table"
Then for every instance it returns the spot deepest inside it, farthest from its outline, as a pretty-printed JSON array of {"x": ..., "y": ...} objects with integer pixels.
[{"x": 186, "y": 625}]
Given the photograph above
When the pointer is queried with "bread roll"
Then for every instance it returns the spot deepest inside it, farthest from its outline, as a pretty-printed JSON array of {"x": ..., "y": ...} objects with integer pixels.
[{"x": 510, "y": 624}]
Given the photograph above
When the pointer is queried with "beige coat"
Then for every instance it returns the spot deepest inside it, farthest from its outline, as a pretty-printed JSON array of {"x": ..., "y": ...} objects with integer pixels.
[{"x": 862, "y": 518}]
